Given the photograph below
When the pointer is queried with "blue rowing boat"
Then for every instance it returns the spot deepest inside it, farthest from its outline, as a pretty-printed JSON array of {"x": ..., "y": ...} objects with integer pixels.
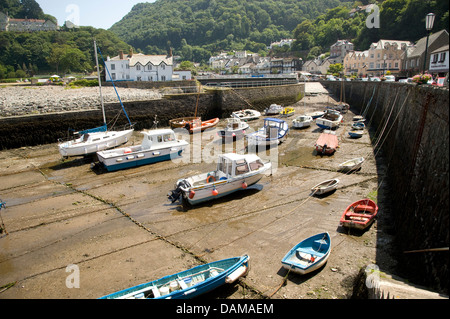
[
  {"x": 188, "y": 283},
  {"x": 309, "y": 255}
]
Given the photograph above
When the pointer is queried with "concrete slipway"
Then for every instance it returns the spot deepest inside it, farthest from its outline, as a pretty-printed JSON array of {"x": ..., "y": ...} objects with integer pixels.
[{"x": 119, "y": 229}]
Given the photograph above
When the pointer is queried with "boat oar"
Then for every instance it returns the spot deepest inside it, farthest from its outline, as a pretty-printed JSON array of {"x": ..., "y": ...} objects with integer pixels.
[{"x": 426, "y": 250}]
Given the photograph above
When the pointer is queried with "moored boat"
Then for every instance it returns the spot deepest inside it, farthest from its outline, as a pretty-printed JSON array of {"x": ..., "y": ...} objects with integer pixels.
[
  {"x": 308, "y": 255},
  {"x": 235, "y": 129},
  {"x": 358, "y": 126},
  {"x": 327, "y": 143},
  {"x": 182, "y": 121},
  {"x": 287, "y": 111},
  {"x": 157, "y": 145},
  {"x": 330, "y": 120},
  {"x": 188, "y": 283},
  {"x": 246, "y": 115},
  {"x": 360, "y": 214},
  {"x": 234, "y": 172},
  {"x": 273, "y": 132},
  {"x": 273, "y": 109},
  {"x": 325, "y": 187},
  {"x": 199, "y": 126},
  {"x": 302, "y": 121},
  {"x": 356, "y": 133},
  {"x": 351, "y": 165},
  {"x": 315, "y": 114}
]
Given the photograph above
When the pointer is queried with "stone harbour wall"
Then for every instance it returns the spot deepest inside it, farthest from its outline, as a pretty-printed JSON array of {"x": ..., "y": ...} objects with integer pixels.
[{"x": 410, "y": 128}]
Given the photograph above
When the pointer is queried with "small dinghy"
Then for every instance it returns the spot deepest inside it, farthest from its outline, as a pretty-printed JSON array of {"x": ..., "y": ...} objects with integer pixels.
[
  {"x": 351, "y": 165},
  {"x": 199, "y": 126},
  {"x": 287, "y": 111},
  {"x": 360, "y": 214},
  {"x": 189, "y": 283},
  {"x": 358, "y": 118},
  {"x": 302, "y": 121},
  {"x": 309, "y": 255},
  {"x": 182, "y": 121},
  {"x": 325, "y": 187},
  {"x": 358, "y": 126},
  {"x": 356, "y": 133}
]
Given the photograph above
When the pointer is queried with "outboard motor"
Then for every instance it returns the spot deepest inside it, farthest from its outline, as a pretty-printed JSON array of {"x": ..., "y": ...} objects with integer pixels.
[{"x": 175, "y": 194}]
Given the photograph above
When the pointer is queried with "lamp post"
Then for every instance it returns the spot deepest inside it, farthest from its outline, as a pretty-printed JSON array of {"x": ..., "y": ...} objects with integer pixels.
[{"x": 429, "y": 21}]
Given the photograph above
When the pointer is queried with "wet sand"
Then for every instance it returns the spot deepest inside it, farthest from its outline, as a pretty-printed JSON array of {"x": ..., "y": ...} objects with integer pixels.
[{"x": 120, "y": 230}]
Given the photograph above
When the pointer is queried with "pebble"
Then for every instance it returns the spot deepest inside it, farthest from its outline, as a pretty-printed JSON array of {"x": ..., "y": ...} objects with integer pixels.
[{"x": 25, "y": 100}]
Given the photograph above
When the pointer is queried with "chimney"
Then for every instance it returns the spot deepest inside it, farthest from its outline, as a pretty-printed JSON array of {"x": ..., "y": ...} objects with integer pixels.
[
  {"x": 170, "y": 53},
  {"x": 130, "y": 54},
  {"x": 121, "y": 55}
]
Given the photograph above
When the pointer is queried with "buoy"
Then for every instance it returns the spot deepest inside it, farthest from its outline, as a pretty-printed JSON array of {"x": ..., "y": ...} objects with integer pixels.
[
  {"x": 191, "y": 194},
  {"x": 215, "y": 192},
  {"x": 244, "y": 185}
]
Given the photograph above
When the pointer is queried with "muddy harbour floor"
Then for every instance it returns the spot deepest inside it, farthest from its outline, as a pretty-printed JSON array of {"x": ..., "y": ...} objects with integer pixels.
[{"x": 120, "y": 230}]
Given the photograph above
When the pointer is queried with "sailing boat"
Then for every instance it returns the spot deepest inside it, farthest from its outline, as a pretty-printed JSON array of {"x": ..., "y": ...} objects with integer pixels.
[{"x": 96, "y": 139}]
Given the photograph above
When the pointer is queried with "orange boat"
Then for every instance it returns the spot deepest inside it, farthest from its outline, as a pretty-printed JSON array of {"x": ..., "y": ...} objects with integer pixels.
[
  {"x": 182, "y": 121},
  {"x": 360, "y": 214},
  {"x": 198, "y": 125},
  {"x": 327, "y": 143}
]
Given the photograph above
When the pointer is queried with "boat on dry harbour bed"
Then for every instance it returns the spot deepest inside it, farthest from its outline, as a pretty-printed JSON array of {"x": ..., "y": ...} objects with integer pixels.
[
  {"x": 325, "y": 187},
  {"x": 234, "y": 172},
  {"x": 157, "y": 145},
  {"x": 246, "y": 115},
  {"x": 308, "y": 255},
  {"x": 327, "y": 143},
  {"x": 330, "y": 120},
  {"x": 351, "y": 165},
  {"x": 273, "y": 109},
  {"x": 189, "y": 283},
  {"x": 360, "y": 214},
  {"x": 235, "y": 129},
  {"x": 200, "y": 126},
  {"x": 273, "y": 132},
  {"x": 182, "y": 121},
  {"x": 302, "y": 121}
]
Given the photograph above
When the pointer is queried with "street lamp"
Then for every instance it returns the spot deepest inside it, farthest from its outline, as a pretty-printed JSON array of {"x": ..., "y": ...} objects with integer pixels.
[{"x": 429, "y": 21}]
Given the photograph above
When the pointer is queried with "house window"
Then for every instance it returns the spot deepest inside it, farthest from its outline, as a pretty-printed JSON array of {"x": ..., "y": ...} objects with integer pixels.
[
  {"x": 163, "y": 66},
  {"x": 149, "y": 67},
  {"x": 435, "y": 58},
  {"x": 113, "y": 67},
  {"x": 163, "y": 78},
  {"x": 113, "y": 76},
  {"x": 442, "y": 59},
  {"x": 138, "y": 67},
  {"x": 139, "y": 78}
]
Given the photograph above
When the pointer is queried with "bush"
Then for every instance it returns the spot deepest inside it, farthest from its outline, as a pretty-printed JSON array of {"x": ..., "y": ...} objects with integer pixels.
[{"x": 84, "y": 83}]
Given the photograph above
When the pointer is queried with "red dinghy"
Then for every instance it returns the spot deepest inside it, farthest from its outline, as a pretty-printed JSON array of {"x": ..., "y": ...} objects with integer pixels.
[
  {"x": 327, "y": 143},
  {"x": 197, "y": 125},
  {"x": 360, "y": 214}
]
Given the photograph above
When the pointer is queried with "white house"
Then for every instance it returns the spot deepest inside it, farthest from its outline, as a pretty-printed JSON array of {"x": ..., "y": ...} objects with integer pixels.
[
  {"x": 439, "y": 63},
  {"x": 141, "y": 67}
]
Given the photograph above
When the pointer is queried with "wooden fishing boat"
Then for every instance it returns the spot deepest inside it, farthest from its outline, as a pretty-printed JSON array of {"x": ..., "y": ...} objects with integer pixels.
[
  {"x": 273, "y": 132},
  {"x": 327, "y": 143},
  {"x": 360, "y": 214},
  {"x": 246, "y": 115},
  {"x": 188, "y": 283},
  {"x": 356, "y": 133},
  {"x": 309, "y": 255},
  {"x": 199, "y": 126},
  {"x": 351, "y": 165},
  {"x": 157, "y": 145},
  {"x": 234, "y": 172},
  {"x": 330, "y": 120},
  {"x": 302, "y": 121},
  {"x": 182, "y": 121},
  {"x": 287, "y": 111},
  {"x": 325, "y": 186},
  {"x": 273, "y": 109},
  {"x": 315, "y": 114},
  {"x": 235, "y": 129}
]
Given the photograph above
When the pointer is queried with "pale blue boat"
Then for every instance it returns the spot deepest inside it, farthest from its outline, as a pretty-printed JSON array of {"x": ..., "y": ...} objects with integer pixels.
[
  {"x": 274, "y": 131},
  {"x": 309, "y": 255},
  {"x": 189, "y": 283}
]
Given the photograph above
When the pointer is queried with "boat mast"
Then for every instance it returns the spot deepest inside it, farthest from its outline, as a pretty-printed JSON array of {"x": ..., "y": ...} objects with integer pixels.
[{"x": 99, "y": 82}]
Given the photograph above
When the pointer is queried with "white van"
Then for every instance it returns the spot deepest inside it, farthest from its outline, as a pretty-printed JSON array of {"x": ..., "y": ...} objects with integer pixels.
[{"x": 389, "y": 78}]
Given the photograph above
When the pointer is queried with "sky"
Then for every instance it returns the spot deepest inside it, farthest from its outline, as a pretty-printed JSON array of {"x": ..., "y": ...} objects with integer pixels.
[{"x": 96, "y": 13}]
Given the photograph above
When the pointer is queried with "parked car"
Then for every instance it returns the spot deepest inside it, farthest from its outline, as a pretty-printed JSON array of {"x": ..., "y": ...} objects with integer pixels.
[
  {"x": 389, "y": 78},
  {"x": 375, "y": 79},
  {"x": 439, "y": 81}
]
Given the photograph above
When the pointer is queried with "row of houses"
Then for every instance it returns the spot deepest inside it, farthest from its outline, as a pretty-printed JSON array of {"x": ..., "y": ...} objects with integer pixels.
[
  {"x": 242, "y": 62},
  {"x": 25, "y": 25},
  {"x": 400, "y": 58}
]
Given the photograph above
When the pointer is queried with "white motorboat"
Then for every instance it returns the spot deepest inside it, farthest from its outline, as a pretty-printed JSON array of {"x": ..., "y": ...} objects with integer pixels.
[
  {"x": 302, "y": 121},
  {"x": 273, "y": 109},
  {"x": 157, "y": 145},
  {"x": 235, "y": 129},
  {"x": 273, "y": 132},
  {"x": 246, "y": 115},
  {"x": 234, "y": 172},
  {"x": 330, "y": 120}
]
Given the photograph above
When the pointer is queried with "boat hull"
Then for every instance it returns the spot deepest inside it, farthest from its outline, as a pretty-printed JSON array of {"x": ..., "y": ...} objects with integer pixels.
[
  {"x": 351, "y": 165},
  {"x": 232, "y": 268},
  {"x": 359, "y": 215},
  {"x": 325, "y": 187},
  {"x": 80, "y": 148},
  {"x": 182, "y": 121},
  {"x": 300, "y": 258}
]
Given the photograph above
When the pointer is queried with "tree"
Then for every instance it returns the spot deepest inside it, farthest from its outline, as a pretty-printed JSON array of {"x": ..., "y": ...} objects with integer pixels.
[{"x": 335, "y": 69}]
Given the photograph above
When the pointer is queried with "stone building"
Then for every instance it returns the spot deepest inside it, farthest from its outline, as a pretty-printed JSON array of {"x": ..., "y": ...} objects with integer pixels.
[{"x": 25, "y": 25}]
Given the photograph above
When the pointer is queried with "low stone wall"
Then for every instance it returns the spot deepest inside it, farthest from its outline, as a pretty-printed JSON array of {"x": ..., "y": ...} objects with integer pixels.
[
  {"x": 47, "y": 128},
  {"x": 410, "y": 124}
]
